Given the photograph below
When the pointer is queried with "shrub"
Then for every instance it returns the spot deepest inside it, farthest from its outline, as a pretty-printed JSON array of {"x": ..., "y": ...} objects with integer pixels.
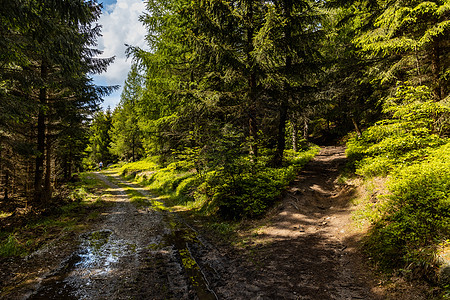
[
  {"x": 141, "y": 165},
  {"x": 247, "y": 190},
  {"x": 247, "y": 194},
  {"x": 12, "y": 247},
  {"x": 415, "y": 127},
  {"x": 412, "y": 149},
  {"x": 418, "y": 214},
  {"x": 234, "y": 186}
]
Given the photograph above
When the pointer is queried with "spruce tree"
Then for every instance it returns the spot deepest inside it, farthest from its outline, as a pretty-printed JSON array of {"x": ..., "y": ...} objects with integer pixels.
[
  {"x": 125, "y": 132},
  {"x": 413, "y": 36},
  {"x": 44, "y": 80}
]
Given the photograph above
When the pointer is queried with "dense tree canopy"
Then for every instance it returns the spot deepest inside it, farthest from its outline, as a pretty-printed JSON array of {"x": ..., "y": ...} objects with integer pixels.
[
  {"x": 45, "y": 90},
  {"x": 261, "y": 70},
  {"x": 227, "y": 82}
]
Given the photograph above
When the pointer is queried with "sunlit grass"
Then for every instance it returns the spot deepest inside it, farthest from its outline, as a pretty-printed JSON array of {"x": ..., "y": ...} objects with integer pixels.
[
  {"x": 147, "y": 164},
  {"x": 85, "y": 202},
  {"x": 5, "y": 214},
  {"x": 11, "y": 246}
]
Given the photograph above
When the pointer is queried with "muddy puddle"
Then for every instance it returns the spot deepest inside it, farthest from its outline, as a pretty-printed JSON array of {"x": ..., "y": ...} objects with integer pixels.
[
  {"x": 96, "y": 259},
  {"x": 96, "y": 262}
]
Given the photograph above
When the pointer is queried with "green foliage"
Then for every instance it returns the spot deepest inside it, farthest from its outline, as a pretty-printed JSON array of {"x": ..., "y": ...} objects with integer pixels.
[
  {"x": 416, "y": 126},
  {"x": 47, "y": 95},
  {"x": 12, "y": 247},
  {"x": 236, "y": 188},
  {"x": 100, "y": 140},
  {"x": 417, "y": 216},
  {"x": 83, "y": 205},
  {"x": 410, "y": 35},
  {"x": 245, "y": 189},
  {"x": 148, "y": 164},
  {"x": 411, "y": 148},
  {"x": 125, "y": 132},
  {"x": 248, "y": 193}
]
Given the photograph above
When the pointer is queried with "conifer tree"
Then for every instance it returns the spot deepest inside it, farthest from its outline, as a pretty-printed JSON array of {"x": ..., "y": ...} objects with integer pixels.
[
  {"x": 100, "y": 138},
  {"x": 44, "y": 73},
  {"x": 413, "y": 35},
  {"x": 125, "y": 132},
  {"x": 286, "y": 45}
]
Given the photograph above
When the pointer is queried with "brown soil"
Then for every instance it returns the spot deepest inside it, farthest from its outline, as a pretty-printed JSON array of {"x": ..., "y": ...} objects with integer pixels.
[{"x": 305, "y": 248}]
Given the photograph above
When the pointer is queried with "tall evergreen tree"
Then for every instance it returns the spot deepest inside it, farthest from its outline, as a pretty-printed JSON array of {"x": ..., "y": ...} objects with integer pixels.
[
  {"x": 413, "y": 36},
  {"x": 287, "y": 47},
  {"x": 47, "y": 75},
  {"x": 125, "y": 132},
  {"x": 100, "y": 139}
]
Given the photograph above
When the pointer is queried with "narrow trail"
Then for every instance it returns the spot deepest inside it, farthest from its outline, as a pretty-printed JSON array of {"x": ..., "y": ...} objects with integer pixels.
[
  {"x": 133, "y": 253},
  {"x": 305, "y": 249}
]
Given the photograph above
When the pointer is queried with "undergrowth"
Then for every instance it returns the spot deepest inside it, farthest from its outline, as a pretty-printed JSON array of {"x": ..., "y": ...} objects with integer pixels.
[
  {"x": 411, "y": 149},
  {"x": 238, "y": 188},
  {"x": 73, "y": 214}
]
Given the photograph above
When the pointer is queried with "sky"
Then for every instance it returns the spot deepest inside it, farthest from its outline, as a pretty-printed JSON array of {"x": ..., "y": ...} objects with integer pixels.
[{"x": 120, "y": 26}]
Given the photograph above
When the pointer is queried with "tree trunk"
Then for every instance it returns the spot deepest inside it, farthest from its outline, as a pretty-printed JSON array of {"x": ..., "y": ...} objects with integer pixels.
[
  {"x": 436, "y": 68},
  {"x": 70, "y": 162},
  {"x": 48, "y": 170},
  {"x": 305, "y": 129},
  {"x": 65, "y": 168},
  {"x": 281, "y": 138},
  {"x": 253, "y": 130},
  {"x": 39, "y": 162},
  {"x": 284, "y": 105},
  {"x": 132, "y": 146},
  {"x": 253, "y": 127},
  {"x": 358, "y": 130},
  {"x": 294, "y": 137},
  {"x": 2, "y": 182},
  {"x": 5, "y": 190}
]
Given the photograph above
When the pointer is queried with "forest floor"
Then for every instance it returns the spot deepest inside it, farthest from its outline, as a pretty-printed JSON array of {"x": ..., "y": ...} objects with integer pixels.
[{"x": 305, "y": 248}]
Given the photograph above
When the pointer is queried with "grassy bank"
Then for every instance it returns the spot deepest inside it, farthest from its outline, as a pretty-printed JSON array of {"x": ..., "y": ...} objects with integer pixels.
[
  {"x": 233, "y": 191},
  {"x": 409, "y": 154},
  {"x": 81, "y": 206}
]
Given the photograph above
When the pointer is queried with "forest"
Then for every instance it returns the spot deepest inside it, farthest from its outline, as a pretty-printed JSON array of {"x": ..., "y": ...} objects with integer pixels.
[{"x": 229, "y": 102}]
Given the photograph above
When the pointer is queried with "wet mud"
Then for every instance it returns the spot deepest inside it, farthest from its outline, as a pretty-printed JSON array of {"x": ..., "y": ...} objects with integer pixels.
[{"x": 135, "y": 253}]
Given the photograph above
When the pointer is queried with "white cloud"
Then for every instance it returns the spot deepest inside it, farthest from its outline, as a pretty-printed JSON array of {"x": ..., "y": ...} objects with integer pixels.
[{"x": 120, "y": 26}]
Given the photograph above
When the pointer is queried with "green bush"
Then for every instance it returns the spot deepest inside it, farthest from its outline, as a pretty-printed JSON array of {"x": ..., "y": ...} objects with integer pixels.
[
  {"x": 223, "y": 180},
  {"x": 11, "y": 247},
  {"x": 186, "y": 189},
  {"x": 147, "y": 164},
  {"x": 248, "y": 194},
  {"x": 415, "y": 127},
  {"x": 233, "y": 187},
  {"x": 411, "y": 148},
  {"x": 166, "y": 180},
  {"x": 418, "y": 215},
  {"x": 247, "y": 190}
]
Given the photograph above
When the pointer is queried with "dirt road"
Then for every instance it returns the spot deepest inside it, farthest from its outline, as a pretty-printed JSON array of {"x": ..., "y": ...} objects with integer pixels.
[
  {"x": 135, "y": 252},
  {"x": 303, "y": 249}
]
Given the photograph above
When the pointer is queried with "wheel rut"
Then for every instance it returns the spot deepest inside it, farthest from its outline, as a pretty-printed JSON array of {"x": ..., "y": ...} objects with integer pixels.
[{"x": 133, "y": 253}]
